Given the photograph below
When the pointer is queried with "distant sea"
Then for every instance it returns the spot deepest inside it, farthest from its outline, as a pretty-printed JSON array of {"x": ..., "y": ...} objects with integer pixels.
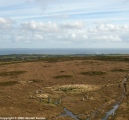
[{"x": 64, "y": 51}]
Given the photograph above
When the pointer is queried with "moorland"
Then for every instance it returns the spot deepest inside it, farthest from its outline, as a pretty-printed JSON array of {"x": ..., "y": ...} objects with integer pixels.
[{"x": 68, "y": 87}]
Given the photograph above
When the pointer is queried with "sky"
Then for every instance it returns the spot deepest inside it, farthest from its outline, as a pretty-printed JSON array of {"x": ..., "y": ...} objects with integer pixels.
[{"x": 64, "y": 23}]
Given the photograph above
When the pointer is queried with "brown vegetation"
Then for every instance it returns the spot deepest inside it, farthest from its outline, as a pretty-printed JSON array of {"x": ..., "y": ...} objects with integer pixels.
[{"x": 83, "y": 86}]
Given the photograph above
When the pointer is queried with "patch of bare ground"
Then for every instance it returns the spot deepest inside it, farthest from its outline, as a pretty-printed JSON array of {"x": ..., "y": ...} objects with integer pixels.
[{"x": 45, "y": 88}]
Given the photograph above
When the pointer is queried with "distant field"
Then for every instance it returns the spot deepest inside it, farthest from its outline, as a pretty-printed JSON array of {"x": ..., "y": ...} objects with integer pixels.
[{"x": 11, "y": 59}]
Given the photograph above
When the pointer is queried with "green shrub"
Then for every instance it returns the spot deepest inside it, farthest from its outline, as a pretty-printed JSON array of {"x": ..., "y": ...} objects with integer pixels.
[
  {"x": 66, "y": 89},
  {"x": 36, "y": 80},
  {"x": 62, "y": 76},
  {"x": 8, "y": 83},
  {"x": 12, "y": 73},
  {"x": 118, "y": 70},
  {"x": 93, "y": 73}
]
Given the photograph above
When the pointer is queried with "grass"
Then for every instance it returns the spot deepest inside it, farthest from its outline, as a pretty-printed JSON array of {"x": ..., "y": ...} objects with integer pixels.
[
  {"x": 12, "y": 62},
  {"x": 12, "y": 59},
  {"x": 12, "y": 73},
  {"x": 8, "y": 83},
  {"x": 92, "y": 73},
  {"x": 118, "y": 70},
  {"x": 36, "y": 81},
  {"x": 62, "y": 76},
  {"x": 67, "y": 89},
  {"x": 62, "y": 71}
]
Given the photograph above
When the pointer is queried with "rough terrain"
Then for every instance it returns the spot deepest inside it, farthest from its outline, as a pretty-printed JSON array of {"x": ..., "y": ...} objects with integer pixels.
[{"x": 44, "y": 89}]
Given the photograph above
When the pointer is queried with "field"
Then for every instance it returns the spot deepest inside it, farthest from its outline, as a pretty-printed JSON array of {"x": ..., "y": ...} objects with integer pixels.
[{"x": 85, "y": 86}]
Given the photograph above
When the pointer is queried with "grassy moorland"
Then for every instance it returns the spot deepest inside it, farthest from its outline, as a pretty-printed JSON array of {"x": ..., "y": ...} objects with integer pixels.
[{"x": 43, "y": 85}]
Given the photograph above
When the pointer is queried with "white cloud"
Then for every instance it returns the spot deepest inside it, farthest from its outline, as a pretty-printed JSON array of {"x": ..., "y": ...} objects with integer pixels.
[
  {"x": 73, "y": 35},
  {"x": 74, "y": 32},
  {"x": 51, "y": 31},
  {"x": 107, "y": 27},
  {"x": 125, "y": 27},
  {"x": 73, "y": 25},
  {"x": 106, "y": 38},
  {"x": 38, "y": 37},
  {"x": 40, "y": 26},
  {"x": 5, "y": 23}
]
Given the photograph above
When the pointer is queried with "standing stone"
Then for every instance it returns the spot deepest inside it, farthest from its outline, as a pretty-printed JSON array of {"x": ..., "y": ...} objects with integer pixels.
[
  {"x": 41, "y": 100},
  {"x": 49, "y": 100},
  {"x": 83, "y": 98},
  {"x": 59, "y": 101}
]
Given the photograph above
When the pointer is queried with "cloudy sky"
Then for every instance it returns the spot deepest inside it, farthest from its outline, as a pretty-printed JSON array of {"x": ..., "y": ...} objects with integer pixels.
[{"x": 64, "y": 23}]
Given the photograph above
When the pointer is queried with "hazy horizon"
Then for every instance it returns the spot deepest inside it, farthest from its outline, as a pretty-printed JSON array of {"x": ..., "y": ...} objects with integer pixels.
[{"x": 63, "y": 51}]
